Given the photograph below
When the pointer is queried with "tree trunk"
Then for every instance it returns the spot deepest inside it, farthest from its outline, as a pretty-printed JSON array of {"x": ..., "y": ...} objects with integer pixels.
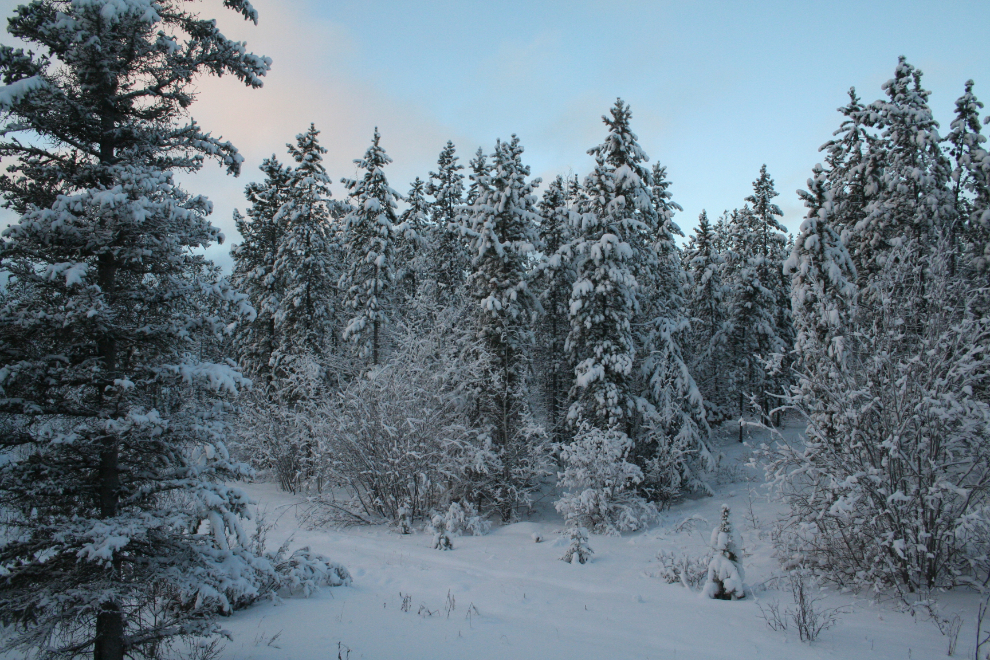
[
  {"x": 740, "y": 416},
  {"x": 109, "y": 643}
]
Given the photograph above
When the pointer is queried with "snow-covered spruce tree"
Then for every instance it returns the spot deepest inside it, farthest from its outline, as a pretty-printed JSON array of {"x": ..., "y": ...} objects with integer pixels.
[
  {"x": 600, "y": 343},
  {"x": 254, "y": 269},
  {"x": 912, "y": 199},
  {"x": 603, "y": 299},
  {"x": 771, "y": 252},
  {"x": 410, "y": 255},
  {"x": 479, "y": 168},
  {"x": 578, "y": 552},
  {"x": 502, "y": 228},
  {"x": 823, "y": 288},
  {"x": 113, "y": 432},
  {"x": 370, "y": 238},
  {"x": 970, "y": 184},
  {"x": 851, "y": 172},
  {"x": 707, "y": 301},
  {"x": 672, "y": 445},
  {"x": 449, "y": 256},
  {"x": 725, "y": 571},
  {"x": 305, "y": 268},
  {"x": 753, "y": 268},
  {"x": 441, "y": 539},
  {"x": 556, "y": 279},
  {"x": 298, "y": 297}
]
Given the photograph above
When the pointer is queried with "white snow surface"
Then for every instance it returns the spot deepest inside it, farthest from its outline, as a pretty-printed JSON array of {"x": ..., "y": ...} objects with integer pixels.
[{"x": 513, "y": 598}]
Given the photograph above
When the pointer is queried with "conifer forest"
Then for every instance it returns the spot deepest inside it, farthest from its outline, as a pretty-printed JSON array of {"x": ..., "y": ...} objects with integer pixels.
[{"x": 481, "y": 414}]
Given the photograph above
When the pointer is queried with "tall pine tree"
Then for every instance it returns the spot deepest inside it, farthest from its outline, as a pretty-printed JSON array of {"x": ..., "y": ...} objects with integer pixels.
[
  {"x": 305, "y": 268},
  {"x": 117, "y": 422},
  {"x": 603, "y": 408},
  {"x": 254, "y": 268},
  {"x": 503, "y": 233},
  {"x": 707, "y": 308},
  {"x": 369, "y": 231},
  {"x": 556, "y": 282},
  {"x": 450, "y": 258}
]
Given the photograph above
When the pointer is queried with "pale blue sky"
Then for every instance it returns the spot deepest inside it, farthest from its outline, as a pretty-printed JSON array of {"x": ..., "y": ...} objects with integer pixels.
[{"x": 716, "y": 88}]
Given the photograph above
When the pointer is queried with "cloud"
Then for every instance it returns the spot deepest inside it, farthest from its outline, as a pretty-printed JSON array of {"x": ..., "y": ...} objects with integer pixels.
[{"x": 311, "y": 81}]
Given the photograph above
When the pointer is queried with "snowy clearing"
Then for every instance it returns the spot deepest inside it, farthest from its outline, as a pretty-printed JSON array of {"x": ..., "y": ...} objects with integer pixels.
[{"x": 505, "y": 596}]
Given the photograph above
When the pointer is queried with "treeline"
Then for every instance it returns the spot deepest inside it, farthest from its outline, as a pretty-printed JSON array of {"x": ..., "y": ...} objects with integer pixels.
[
  {"x": 572, "y": 339},
  {"x": 573, "y": 328}
]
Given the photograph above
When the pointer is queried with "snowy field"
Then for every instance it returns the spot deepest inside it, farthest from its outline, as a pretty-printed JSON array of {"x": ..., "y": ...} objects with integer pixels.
[{"x": 506, "y": 596}]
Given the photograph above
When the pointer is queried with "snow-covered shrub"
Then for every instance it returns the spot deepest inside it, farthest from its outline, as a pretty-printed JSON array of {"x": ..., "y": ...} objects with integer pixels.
[
  {"x": 692, "y": 572},
  {"x": 600, "y": 484},
  {"x": 890, "y": 488},
  {"x": 725, "y": 571},
  {"x": 304, "y": 572},
  {"x": 399, "y": 436},
  {"x": 807, "y": 614},
  {"x": 281, "y": 574},
  {"x": 441, "y": 539},
  {"x": 578, "y": 551},
  {"x": 280, "y": 440},
  {"x": 462, "y": 519}
]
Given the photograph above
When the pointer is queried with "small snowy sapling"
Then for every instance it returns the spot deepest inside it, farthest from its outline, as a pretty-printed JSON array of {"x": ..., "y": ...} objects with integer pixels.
[
  {"x": 725, "y": 571},
  {"x": 405, "y": 517},
  {"x": 441, "y": 539},
  {"x": 578, "y": 551}
]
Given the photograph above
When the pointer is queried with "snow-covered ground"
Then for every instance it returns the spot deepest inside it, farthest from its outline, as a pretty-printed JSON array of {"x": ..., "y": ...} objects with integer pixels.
[{"x": 506, "y": 596}]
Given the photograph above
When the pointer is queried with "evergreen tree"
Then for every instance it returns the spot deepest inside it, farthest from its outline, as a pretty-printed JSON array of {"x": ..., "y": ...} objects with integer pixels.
[
  {"x": 851, "y": 171},
  {"x": 305, "y": 267},
  {"x": 413, "y": 228},
  {"x": 450, "y": 258},
  {"x": 502, "y": 227},
  {"x": 970, "y": 183},
  {"x": 759, "y": 324},
  {"x": 673, "y": 448},
  {"x": 603, "y": 300},
  {"x": 603, "y": 407},
  {"x": 707, "y": 308},
  {"x": 725, "y": 571},
  {"x": 557, "y": 280},
  {"x": 116, "y": 420},
  {"x": 369, "y": 242},
  {"x": 823, "y": 286},
  {"x": 479, "y": 169},
  {"x": 254, "y": 267},
  {"x": 912, "y": 199},
  {"x": 772, "y": 248}
]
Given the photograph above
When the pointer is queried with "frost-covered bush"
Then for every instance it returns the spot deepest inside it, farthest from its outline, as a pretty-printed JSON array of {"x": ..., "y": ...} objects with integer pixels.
[
  {"x": 282, "y": 574},
  {"x": 462, "y": 519},
  {"x": 692, "y": 572},
  {"x": 890, "y": 488},
  {"x": 600, "y": 484},
  {"x": 725, "y": 571},
  {"x": 281, "y": 440},
  {"x": 399, "y": 437},
  {"x": 303, "y": 573},
  {"x": 578, "y": 552}
]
